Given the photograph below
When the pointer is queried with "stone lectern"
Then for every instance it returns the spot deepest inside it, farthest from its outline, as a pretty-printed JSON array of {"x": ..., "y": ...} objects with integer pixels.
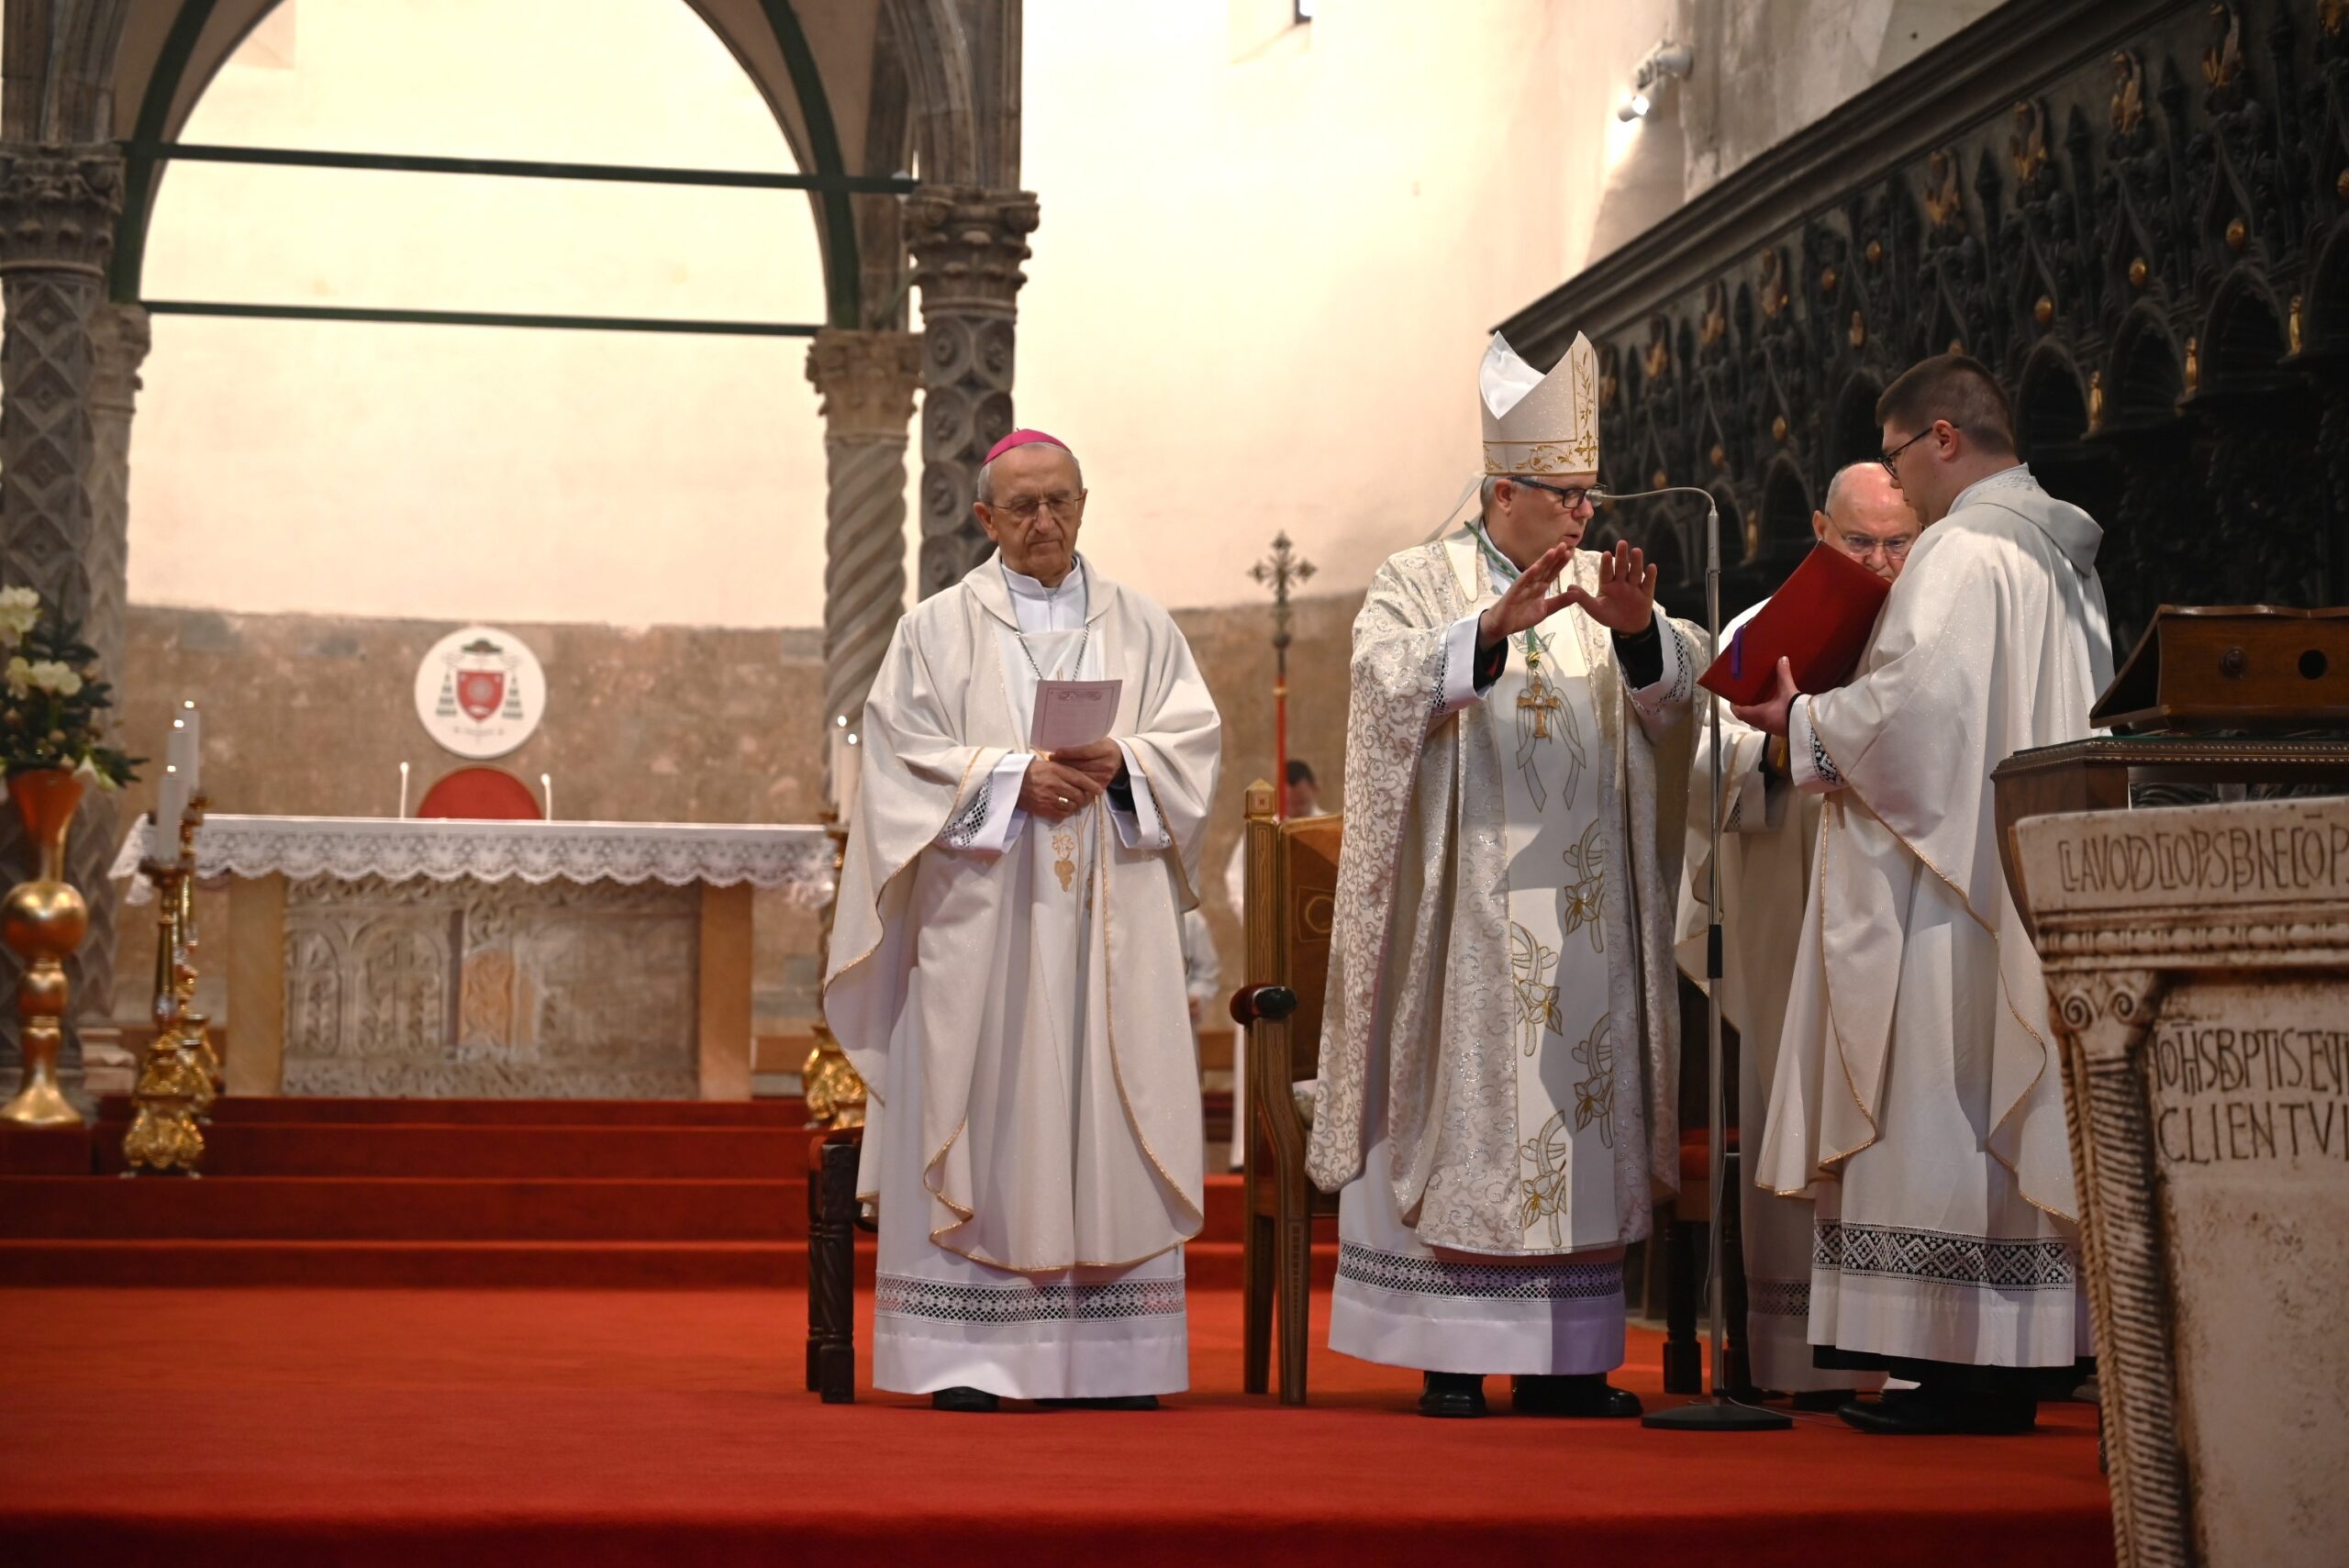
[{"x": 2198, "y": 977}]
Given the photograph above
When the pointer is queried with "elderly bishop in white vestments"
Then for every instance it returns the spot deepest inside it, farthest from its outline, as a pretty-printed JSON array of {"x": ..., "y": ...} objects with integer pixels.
[
  {"x": 1007, "y": 973},
  {"x": 1768, "y": 832},
  {"x": 1918, "y": 1098},
  {"x": 1499, "y": 1064}
]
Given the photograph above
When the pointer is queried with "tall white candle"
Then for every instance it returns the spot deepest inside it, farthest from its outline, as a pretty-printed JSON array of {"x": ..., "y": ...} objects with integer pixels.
[
  {"x": 546, "y": 789},
  {"x": 402, "y": 791},
  {"x": 850, "y": 778},
  {"x": 191, "y": 762},
  {"x": 171, "y": 804}
]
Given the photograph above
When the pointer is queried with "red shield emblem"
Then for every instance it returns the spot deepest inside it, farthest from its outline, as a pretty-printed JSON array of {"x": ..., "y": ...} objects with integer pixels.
[{"x": 479, "y": 693}]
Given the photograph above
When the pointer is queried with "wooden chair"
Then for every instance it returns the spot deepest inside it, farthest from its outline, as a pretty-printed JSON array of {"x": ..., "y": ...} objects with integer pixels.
[
  {"x": 1292, "y": 883},
  {"x": 481, "y": 794}
]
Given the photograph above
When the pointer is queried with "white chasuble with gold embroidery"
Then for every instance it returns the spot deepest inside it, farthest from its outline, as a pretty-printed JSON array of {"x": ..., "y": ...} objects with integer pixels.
[
  {"x": 1012, "y": 990},
  {"x": 1499, "y": 1027}
]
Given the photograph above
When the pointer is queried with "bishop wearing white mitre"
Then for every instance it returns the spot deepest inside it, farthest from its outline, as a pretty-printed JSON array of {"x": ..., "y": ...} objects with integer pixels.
[
  {"x": 1918, "y": 1096},
  {"x": 1007, "y": 973},
  {"x": 1768, "y": 832},
  {"x": 1499, "y": 1061}
]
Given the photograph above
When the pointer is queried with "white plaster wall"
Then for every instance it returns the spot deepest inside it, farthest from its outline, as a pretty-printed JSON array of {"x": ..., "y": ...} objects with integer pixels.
[{"x": 1269, "y": 258}]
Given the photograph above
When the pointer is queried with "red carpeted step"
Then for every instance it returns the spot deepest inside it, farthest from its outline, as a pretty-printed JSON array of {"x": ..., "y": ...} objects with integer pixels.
[
  {"x": 1218, "y": 1265},
  {"x": 44, "y": 1150},
  {"x": 311, "y": 1149},
  {"x": 567, "y": 1265},
  {"x": 489, "y": 1265},
  {"x": 239, "y": 1109},
  {"x": 401, "y": 1209}
]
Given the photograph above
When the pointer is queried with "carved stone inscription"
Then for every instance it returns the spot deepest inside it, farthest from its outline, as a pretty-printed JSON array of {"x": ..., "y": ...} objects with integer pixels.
[
  {"x": 491, "y": 989},
  {"x": 2242, "y": 1090},
  {"x": 2249, "y": 1091}
]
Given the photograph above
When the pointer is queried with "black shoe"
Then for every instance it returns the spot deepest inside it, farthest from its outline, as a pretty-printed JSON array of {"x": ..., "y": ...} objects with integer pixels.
[
  {"x": 1110, "y": 1402},
  {"x": 965, "y": 1399},
  {"x": 1933, "y": 1413},
  {"x": 1587, "y": 1397},
  {"x": 1452, "y": 1394}
]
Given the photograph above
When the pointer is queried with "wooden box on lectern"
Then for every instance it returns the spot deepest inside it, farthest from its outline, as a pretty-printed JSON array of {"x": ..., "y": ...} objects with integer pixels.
[
  {"x": 2235, "y": 667},
  {"x": 2197, "y": 961}
]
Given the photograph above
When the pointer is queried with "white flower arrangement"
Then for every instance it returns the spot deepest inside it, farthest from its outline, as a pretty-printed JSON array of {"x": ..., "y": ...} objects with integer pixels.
[{"x": 53, "y": 703}]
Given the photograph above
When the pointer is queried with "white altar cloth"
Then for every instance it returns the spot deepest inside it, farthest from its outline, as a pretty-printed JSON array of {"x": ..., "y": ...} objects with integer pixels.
[{"x": 796, "y": 859}]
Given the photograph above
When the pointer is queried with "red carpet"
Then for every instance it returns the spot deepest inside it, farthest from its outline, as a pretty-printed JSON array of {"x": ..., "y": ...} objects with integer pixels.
[
  {"x": 603, "y": 1195},
  {"x": 668, "y": 1429}
]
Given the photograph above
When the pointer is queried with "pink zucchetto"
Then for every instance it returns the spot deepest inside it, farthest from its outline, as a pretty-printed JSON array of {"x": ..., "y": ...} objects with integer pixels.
[{"x": 1024, "y": 439}]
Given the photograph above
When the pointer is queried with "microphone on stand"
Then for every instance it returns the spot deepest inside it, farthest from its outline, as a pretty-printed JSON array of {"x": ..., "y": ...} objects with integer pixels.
[{"x": 1720, "y": 1413}]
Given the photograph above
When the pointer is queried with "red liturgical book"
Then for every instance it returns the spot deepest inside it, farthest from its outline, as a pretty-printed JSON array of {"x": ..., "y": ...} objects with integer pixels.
[{"x": 1819, "y": 620}]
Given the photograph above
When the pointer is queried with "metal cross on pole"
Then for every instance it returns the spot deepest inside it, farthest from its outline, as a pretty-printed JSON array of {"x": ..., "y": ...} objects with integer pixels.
[{"x": 1282, "y": 571}]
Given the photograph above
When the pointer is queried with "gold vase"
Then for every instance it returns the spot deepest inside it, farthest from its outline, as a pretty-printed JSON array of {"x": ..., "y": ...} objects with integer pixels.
[{"x": 42, "y": 920}]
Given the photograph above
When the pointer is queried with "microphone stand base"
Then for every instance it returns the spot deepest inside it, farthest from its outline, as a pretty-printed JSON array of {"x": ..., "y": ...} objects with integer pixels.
[{"x": 1718, "y": 1415}]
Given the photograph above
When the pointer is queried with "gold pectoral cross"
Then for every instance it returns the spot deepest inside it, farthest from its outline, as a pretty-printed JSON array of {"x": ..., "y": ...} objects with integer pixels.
[{"x": 1538, "y": 701}]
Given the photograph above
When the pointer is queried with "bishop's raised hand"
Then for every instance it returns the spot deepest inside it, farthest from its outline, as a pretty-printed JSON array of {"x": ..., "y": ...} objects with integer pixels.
[
  {"x": 1529, "y": 601},
  {"x": 1625, "y": 602}
]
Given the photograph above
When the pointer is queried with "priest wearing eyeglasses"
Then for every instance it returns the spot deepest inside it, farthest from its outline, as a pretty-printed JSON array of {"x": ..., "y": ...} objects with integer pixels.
[
  {"x": 1497, "y": 1105},
  {"x": 1918, "y": 1097},
  {"x": 1768, "y": 832},
  {"x": 1007, "y": 973}
]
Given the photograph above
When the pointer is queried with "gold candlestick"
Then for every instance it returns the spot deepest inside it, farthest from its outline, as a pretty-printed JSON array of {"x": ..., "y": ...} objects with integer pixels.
[
  {"x": 43, "y": 920},
  {"x": 176, "y": 1080},
  {"x": 827, "y": 1080}
]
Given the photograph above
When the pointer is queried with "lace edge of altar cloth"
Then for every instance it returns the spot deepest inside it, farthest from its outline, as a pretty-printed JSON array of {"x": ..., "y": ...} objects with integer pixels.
[{"x": 794, "y": 859}]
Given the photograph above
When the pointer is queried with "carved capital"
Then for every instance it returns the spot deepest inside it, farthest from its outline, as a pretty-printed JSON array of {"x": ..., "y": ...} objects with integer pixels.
[
  {"x": 867, "y": 381},
  {"x": 2105, "y": 1012},
  {"x": 119, "y": 337},
  {"x": 967, "y": 246},
  {"x": 58, "y": 206}
]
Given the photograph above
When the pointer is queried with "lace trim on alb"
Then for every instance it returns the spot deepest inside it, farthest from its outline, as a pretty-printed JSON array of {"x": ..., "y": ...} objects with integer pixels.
[
  {"x": 1936, "y": 1257},
  {"x": 902, "y": 1296}
]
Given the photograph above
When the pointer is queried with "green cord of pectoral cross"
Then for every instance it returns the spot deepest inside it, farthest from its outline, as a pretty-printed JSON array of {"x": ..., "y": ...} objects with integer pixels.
[{"x": 1508, "y": 569}]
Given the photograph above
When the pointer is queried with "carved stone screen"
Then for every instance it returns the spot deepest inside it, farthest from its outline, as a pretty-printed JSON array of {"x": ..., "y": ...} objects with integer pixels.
[
  {"x": 2198, "y": 967},
  {"x": 418, "y": 987}
]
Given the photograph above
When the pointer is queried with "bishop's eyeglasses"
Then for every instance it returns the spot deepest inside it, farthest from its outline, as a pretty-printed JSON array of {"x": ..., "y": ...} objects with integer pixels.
[{"x": 1061, "y": 504}]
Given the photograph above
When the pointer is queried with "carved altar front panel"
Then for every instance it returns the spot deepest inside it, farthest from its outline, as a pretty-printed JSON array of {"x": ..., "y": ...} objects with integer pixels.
[
  {"x": 2197, "y": 972},
  {"x": 491, "y": 989}
]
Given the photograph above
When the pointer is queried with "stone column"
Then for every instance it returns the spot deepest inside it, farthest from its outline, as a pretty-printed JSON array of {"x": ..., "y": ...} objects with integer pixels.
[
  {"x": 867, "y": 381},
  {"x": 120, "y": 335},
  {"x": 967, "y": 246},
  {"x": 58, "y": 206}
]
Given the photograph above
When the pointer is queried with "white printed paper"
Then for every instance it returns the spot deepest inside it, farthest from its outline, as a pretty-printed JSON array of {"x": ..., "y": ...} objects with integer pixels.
[{"x": 1073, "y": 713}]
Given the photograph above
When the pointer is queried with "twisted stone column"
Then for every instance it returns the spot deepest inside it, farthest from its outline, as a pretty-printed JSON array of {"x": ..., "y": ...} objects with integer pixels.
[
  {"x": 867, "y": 381},
  {"x": 967, "y": 246},
  {"x": 58, "y": 206}
]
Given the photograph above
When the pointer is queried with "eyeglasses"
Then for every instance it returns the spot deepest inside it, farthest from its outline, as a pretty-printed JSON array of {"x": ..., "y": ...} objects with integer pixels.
[
  {"x": 1860, "y": 547},
  {"x": 1891, "y": 459},
  {"x": 1062, "y": 505},
  {"x": 1569, "y": 496}
]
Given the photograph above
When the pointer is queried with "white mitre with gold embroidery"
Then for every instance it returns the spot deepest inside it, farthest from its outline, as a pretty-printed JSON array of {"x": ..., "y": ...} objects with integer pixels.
[{"x": 1536, "y": 423}]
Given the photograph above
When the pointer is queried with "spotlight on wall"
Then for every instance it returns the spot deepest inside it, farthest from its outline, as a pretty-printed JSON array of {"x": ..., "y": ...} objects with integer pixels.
[{"x": 1666, "y": 62}]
